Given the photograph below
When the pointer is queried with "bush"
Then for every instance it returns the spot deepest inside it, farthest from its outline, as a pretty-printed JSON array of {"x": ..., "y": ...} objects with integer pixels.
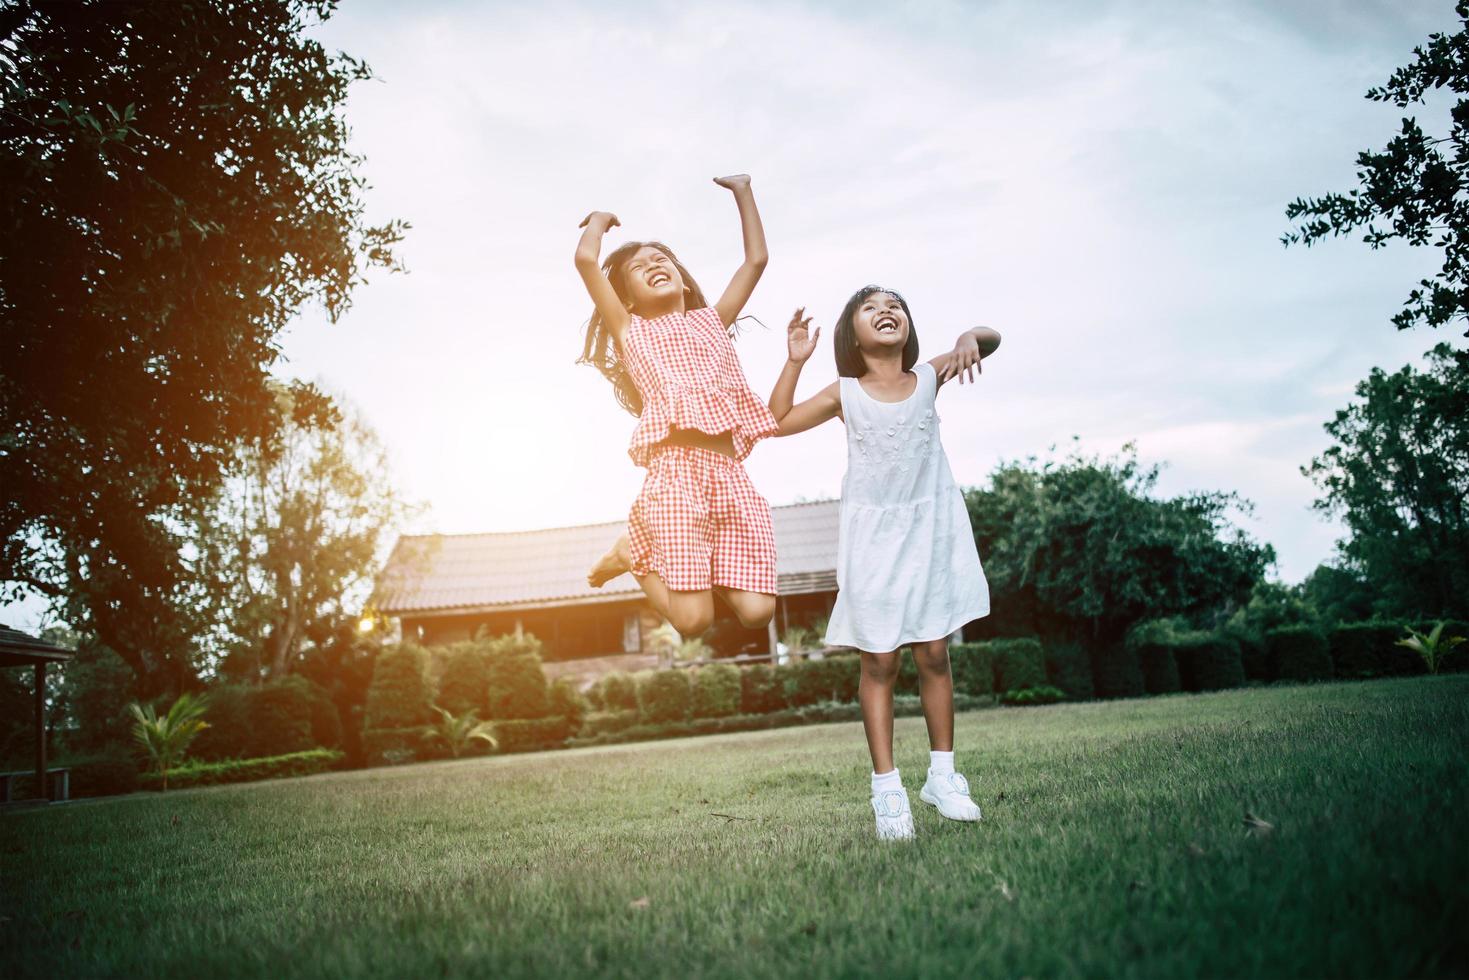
[
  {"x": 619, "y": 692},
  {"x": 599, "y": 722},
  {"x": 246, "y": 770},
  {"x": 229, "y": 735},
  {"x": 1254, "y": 656},
  {"x": 1298, "y": 653},
  {"x": 807, "y": 682},
  {"x": 465, "y": 683},
  {"x": 1364, "y": 649},
  {"x": 107, "y": 774},
  {"x": 1152, "y": 642},
  {"x": 1043, "y": 694},
  {"x": 1118, "y": 671},
  {"x": 908, "y": 682},
  {"x": 973, "y": 669},
  {"x": 1069, "y": 667},
  {"x": 395, "y": 746},
  {"x": 1019, "y": 664},
  {"x": 280, "y": 718},
  {"x": 1208, "y": 662},
  {"x": 663, "y": 695},
  {"x": 517, "y": 688},
  {"x": 569, "y": 704},
  {"x": 1457, "y": 660},
  {"x": 398, "y": 697},
  {"x": 761, "y": 691},
  {"x": 531, "y": 734},
  {"x": 716, "y": 691}
]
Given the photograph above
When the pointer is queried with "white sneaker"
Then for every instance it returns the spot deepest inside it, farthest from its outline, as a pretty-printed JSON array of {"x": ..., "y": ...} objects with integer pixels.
[
  {"x": 949, "y": 792},
  {"x": 894, "y": 818}
]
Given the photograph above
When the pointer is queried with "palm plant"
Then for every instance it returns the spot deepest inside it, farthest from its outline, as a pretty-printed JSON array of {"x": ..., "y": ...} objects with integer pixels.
[
  {"x": 166, "y": 739},
  {"x": 1432, "y": 646},
  {"x": 458, "y": 731}
]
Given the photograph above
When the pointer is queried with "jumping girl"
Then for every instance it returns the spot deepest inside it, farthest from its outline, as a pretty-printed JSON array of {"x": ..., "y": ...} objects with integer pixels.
[
  {"x": 908, "y": 573},
  {"x": 697, "y": 527}
]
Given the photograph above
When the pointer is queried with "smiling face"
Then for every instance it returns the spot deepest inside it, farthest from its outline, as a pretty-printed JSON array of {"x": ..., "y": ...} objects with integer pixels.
[
  {"x": 880, "y": 322},
  {"x": 875, "y": 321},
  {"x": 651, "y": 282}
]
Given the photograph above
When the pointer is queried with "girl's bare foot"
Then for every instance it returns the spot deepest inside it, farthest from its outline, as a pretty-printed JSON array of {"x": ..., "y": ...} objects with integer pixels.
[{"x": 611, "y": 565}]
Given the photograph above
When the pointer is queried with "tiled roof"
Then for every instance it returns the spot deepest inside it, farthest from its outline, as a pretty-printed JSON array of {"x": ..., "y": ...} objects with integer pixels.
[
  {"x": 445, "y": 573},
  {"x": 21, "y": 649}
]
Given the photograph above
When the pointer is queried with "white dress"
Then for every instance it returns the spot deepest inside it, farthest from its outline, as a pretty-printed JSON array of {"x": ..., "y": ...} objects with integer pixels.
[{"x": 907, "y": 568}]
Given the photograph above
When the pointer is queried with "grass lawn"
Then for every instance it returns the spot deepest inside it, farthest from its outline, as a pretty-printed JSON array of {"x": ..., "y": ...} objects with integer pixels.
[{"x": 1113, "y": 844}]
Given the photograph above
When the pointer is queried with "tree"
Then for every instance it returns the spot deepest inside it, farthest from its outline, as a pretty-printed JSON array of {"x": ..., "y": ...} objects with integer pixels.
[
  {"x": 178, "y": 186},
  {"x": 286, "y": 546},
  {"x": 1398, "y": 475},
  {"x": 1415, "y": 185},
  {"x": 1081, "y": 549},
  {"x": 165, "y": 739}
]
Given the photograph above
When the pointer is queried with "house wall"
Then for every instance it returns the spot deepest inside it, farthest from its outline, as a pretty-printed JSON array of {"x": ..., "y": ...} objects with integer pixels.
[{"x": 565, "y": 632}]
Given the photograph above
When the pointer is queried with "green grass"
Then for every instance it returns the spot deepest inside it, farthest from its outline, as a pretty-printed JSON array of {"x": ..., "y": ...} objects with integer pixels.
[{"x": 1112, "y": 845}]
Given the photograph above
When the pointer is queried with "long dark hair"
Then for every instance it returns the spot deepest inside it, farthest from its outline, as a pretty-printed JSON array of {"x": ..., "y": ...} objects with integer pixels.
[
  {"x": 599, "y": 350},
  {"x": 850, "y": 362}
]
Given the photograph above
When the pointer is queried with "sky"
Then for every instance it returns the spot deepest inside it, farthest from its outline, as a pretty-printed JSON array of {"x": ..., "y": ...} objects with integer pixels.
[{"x": 1102, "y": 183}]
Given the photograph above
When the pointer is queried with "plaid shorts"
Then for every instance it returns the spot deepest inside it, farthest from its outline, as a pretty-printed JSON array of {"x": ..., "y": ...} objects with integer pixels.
[{"x": 698, "y": 522}]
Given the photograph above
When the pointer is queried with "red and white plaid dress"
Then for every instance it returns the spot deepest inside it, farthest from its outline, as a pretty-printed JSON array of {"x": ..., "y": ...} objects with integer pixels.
[{"x": 698, "y": 521}]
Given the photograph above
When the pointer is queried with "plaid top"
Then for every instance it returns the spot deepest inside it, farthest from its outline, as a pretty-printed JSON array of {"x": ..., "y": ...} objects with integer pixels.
[{"x": 686, "y": 369}]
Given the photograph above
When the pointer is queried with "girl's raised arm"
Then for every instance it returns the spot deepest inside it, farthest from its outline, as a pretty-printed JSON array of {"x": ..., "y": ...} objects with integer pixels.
[
  {"x": 737, "y": 293},
  {"x": 825, "y": 405},
  {"x": 964, "y": 361},
  {"x": 588, "y": 251}
]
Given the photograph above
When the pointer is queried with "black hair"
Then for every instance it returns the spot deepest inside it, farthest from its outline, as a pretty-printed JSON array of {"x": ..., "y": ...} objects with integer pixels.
[
  {"x": 850, "y": 362},
  {"x": 600, "y": 351}
]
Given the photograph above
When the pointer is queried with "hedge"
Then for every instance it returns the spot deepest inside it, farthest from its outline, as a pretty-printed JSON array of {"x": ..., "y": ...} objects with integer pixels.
[
  {"x": 569, "y": 703},
  {"x": 398, "y": 696},
  {"x": 598, "y": 722},
  {"x": 395, "y": 746},
  {"x": 973, "y": 669},
  {"x": 517, "y": 687},
  {"x": 1254, "y": 656},
  {"x": 1044, "y": 694},
  {"x": 761, "y": 691},
  {"x": 716, "y": 691},
  {"x": 1019, "y": 663},
  {"x": 245, "y": 770},
  {"x": 1208, "y": 662},
  {"x": 1364, "y": 649},
  {"x": 1298, "y": 653},
  {"x": 1160, "y": 668},
  {"x": 807, "y": 682},
  {"x": 531, "y": 734},
  {"x": 618, "y": 692},
  {"x": 227, "y": 710},
  {"x": 465, "y": 682},
  {"x": 107, "y": 774},
  {"x": 1457, "y": 660},
  {"x": 280, "y": 714},
  {"x": 1069, "y": 668},
  {"x": 1118, "y": 672},
  {"x": 663, "y": 695}
]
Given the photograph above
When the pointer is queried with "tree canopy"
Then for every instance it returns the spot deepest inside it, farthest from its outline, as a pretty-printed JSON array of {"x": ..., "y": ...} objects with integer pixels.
[
  {"x": 1413, "y": 189},
  {"x": 178, "y": 184}
]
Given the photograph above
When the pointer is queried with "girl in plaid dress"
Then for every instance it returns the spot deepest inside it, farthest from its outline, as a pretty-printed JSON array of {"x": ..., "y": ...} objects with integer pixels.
[
  {"x": 908, "y": 573},
  {"x": 698, "y": 527}
]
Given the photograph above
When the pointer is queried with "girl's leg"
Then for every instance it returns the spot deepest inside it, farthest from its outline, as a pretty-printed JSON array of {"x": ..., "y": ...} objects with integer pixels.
[
  {"x": 875, "y": 692},
  {"x": 617, "y": 560},
  {"x": 936, "y": 690},
  {"x": 691, "y": 613},
  {"x": 753, "y": 609}
]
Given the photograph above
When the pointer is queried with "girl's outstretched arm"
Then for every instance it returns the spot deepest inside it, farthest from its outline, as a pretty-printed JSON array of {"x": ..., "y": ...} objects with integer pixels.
[
  {"x": 964, "y": 361},
  {"x": 824, "y": 406},
  {"x": 588, "y": 254},
  {"x": 737, "y": 293}
]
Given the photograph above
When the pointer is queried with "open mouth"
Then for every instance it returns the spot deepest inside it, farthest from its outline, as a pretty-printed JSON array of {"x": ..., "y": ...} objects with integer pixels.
[
  {"x": 886, "y": 324},
  {"x": 659, "y": 279}
]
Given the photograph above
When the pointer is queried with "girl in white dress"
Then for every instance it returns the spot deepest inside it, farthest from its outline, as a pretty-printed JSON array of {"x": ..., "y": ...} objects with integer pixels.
[{"x": 908, "y": 573}]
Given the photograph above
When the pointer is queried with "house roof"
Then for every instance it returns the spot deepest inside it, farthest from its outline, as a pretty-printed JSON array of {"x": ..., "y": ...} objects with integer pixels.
[
  {"x": 18, "y": 649},
  {"x": 444, "y": 574}
]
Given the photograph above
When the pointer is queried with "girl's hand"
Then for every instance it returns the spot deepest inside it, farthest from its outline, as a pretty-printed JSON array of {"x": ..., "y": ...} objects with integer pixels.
[
  {"x": 602, "y": 219},
  {"x": 800, "y": 342},
  {"x": 964, "y": 360},
  {"x": 734, "y": 181}
]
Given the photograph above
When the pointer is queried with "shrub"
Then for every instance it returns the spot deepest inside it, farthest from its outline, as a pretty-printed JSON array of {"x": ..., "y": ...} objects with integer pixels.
[
  {"x": 908, "y": 682},
  {"x": 395, "y": 746},
  {"x": 1118, "y": 671},
  {"x": 619, "y": 692},
  {"x": 1457, "y": 659},
  {"x": 663, "y": 695},
  {"x": 398, "y": 697},
  {"x": 229, "y": 735},
  {"x": 973, "y": 669},
  {"x": 532, "y": 734},
  {"x": 1069, "y": 667},
  {"x": 465, "y": 683},
  {"x": 1019, "y": 664},
  {"x": 716, "y": 691},
  {"x": 280, "y": 718},
  {"x": 1298, "y": 653},
  {"x": 599, "y": 722},
  {"x": 807, "y": 682},
  {"x": 247, "y": 770},
  {"x": 1043, "y": 694},
  {"x": 1208, "y": 662},
  {"x": 1363, "y": 649},
  {"x": 569, "y": 703},
  {"x": 517, "y": 688},
  {"x": 1254, "y": 656},
  {"x": 1152, "y": 642},
  {"x": 108, "y": 774},
  {"x": 461, "y": 733},
  {"x": 761, "y": 690}
]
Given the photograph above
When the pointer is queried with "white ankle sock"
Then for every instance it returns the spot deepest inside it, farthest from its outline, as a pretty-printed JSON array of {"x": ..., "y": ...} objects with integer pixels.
[
  {"x": 940, "y": 763},
  {"x": 882, "y": 782}
]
